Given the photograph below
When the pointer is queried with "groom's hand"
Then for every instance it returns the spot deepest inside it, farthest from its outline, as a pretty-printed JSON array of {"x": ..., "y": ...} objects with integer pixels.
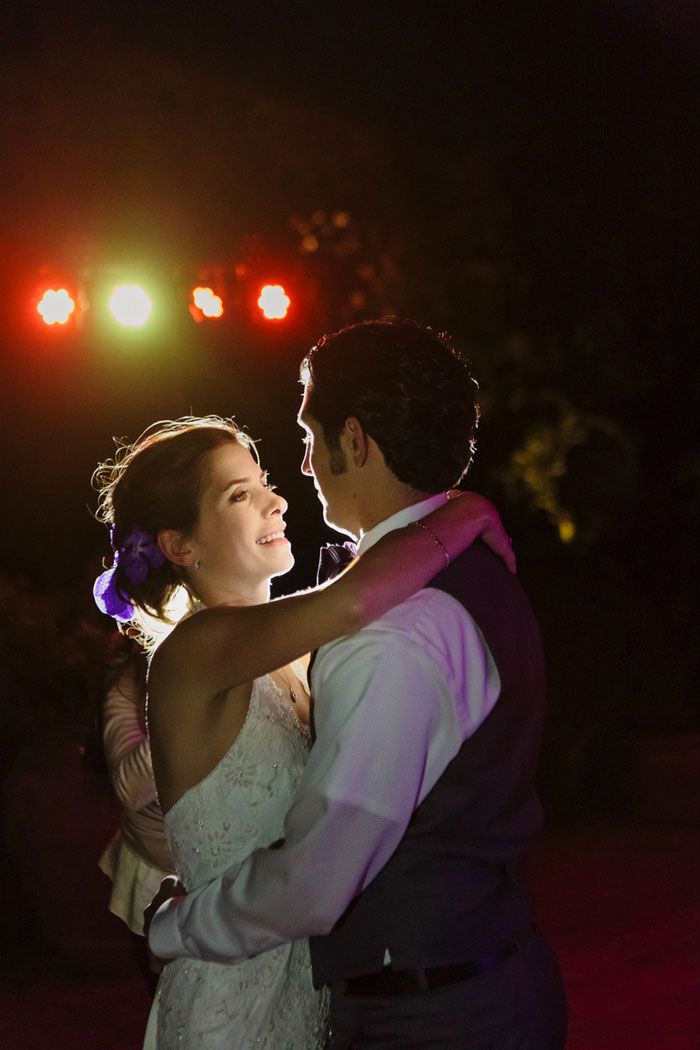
[{"x": 169, "y": 887}]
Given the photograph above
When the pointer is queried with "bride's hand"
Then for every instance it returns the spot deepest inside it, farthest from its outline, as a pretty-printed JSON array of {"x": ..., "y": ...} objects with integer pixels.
[{"x": 492, "y": 532}]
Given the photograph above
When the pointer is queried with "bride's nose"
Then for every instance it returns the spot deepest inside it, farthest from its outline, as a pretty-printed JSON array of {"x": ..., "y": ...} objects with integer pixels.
[{"x": 278, "y": 504}]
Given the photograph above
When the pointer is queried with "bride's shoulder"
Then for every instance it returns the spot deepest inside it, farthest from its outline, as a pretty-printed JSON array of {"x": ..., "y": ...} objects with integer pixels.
[
  {"x": 182, "y": 655},
  {"x": 177, "y": 675}
]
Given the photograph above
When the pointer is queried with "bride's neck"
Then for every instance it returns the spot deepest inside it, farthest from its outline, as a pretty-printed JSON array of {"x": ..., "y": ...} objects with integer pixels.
[{"x": 216, "y": 595}]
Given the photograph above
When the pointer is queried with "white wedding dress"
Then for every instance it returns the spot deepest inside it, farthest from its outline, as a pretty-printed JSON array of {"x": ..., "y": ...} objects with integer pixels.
[{"x": 268, "y": 1002}]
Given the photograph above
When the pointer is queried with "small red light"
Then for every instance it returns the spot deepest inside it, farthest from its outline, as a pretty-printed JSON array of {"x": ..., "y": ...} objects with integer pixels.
[
  {"x": 56, "y": 307},
  {"x": 274, "y": 302},
  {"x": 207, "y": 302}
]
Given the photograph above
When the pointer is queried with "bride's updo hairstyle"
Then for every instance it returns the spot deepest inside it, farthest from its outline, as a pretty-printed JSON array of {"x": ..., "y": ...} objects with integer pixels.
[{"x": 153, "y": 484}]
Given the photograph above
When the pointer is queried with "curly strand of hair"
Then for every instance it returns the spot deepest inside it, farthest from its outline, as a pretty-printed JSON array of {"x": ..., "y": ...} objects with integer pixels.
[{"x": 156, "y": 482}]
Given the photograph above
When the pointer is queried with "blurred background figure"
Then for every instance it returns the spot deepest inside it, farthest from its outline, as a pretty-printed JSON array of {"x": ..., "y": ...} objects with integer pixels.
[{"x": 137, "y": 857}]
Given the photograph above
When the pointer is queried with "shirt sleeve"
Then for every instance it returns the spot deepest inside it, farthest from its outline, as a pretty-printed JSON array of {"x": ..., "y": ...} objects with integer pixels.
[
  {"x": 387, "y": 721},
  {"x": 126, "y": 745}
]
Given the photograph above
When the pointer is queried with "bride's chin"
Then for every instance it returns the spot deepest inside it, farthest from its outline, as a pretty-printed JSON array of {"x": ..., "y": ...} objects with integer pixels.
[{"x": 285, "y": 565}]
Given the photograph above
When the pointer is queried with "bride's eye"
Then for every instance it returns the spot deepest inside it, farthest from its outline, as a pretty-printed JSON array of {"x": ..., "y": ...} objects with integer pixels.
[{"x": 239, "y": 497}]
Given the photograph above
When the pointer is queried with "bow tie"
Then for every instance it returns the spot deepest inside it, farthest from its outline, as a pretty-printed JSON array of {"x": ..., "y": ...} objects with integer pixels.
[{"x": 333, "y": 558}]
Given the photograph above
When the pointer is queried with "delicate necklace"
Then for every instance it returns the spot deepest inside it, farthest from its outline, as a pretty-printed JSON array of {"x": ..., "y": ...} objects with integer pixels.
[{"x": 284, "y": 677}]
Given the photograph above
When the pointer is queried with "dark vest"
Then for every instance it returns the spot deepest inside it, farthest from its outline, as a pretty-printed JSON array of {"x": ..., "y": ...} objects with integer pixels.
[{"x": 451, "y": 892}]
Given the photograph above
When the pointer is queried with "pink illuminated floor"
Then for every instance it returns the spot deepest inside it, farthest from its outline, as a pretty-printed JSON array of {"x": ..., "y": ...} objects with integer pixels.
[{"x": 620, "y": 903}]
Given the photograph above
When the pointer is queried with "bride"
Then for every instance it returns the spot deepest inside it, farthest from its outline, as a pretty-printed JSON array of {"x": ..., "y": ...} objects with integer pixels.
[{"x": 195, "y": 525}]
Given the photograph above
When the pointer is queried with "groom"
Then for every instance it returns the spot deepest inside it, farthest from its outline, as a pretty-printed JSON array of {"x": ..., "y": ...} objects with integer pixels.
[{"x": 401, "y": 852}]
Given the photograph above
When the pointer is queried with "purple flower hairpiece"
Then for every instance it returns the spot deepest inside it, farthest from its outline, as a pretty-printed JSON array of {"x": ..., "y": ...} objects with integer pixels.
[{"x": 137, "y": 553}]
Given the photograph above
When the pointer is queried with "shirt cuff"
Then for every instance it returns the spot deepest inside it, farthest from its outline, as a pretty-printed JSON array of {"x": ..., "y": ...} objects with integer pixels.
[{"x": 164, "y": 939}]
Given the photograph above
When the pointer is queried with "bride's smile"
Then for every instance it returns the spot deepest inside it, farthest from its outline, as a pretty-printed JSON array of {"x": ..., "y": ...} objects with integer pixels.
[{"x": 238, "y": 543}]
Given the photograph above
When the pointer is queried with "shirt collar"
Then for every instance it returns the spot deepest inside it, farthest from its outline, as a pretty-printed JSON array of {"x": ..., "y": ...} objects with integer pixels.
[{"x": 398, "y": 520}]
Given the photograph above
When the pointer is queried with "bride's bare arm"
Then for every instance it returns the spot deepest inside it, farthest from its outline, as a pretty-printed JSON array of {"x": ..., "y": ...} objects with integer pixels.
[{"x": 220, "y": 648}]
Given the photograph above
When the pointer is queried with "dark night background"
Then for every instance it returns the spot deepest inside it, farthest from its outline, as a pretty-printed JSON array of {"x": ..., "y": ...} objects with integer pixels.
[{"x": 524, "y": 176}]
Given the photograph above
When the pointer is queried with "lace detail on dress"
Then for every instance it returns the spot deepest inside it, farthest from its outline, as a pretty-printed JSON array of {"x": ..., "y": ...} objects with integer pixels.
[{"x": 267, "y": 1002}]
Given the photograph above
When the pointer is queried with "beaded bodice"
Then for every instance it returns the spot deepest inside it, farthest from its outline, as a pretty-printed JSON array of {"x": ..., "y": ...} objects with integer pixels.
[
  {"x": 240, "y": 805},
  {"x": 266, "y": 1002}
]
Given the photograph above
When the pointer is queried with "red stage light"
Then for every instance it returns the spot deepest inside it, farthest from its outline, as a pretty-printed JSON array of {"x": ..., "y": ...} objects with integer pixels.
[
  {"x": 206, "y": 303},
  {"x": 56, "y": 307},
  {"x": 274, "y": 302}
]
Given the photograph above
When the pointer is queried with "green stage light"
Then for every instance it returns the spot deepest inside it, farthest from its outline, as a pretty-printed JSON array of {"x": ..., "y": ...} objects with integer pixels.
[{"x": 130, "y": 305}]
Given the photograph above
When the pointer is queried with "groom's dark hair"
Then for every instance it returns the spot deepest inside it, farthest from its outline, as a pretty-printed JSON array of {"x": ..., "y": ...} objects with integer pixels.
[{"x": 409, "y": 389}]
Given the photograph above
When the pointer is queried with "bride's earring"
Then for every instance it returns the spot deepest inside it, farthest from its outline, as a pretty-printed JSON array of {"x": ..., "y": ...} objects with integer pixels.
[{"x": 197, "y": 563}]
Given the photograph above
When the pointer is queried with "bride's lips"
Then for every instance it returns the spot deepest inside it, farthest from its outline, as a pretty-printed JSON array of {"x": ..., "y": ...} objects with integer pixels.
[{"x": 273, "y": 538}]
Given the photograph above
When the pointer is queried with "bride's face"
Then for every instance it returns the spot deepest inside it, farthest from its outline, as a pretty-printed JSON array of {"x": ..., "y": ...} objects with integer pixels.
[{"x": 239, "y": 538}]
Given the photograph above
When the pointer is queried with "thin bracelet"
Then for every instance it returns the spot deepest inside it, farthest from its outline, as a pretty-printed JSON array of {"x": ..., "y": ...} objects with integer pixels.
[{"x": 438, "y": 543}]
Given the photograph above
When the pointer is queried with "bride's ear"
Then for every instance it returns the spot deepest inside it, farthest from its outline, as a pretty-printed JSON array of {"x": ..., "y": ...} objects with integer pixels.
[{"x": 175, "y": 547}]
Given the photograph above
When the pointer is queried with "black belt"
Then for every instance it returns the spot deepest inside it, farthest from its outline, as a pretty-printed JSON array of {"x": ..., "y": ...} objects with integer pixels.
[{"x": 413, "y": 982}]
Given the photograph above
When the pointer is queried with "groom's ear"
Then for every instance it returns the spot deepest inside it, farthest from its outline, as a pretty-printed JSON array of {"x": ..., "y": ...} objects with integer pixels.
[
  {"x": 175, "y": 547},
  {"x": 355, "y": 441}
]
